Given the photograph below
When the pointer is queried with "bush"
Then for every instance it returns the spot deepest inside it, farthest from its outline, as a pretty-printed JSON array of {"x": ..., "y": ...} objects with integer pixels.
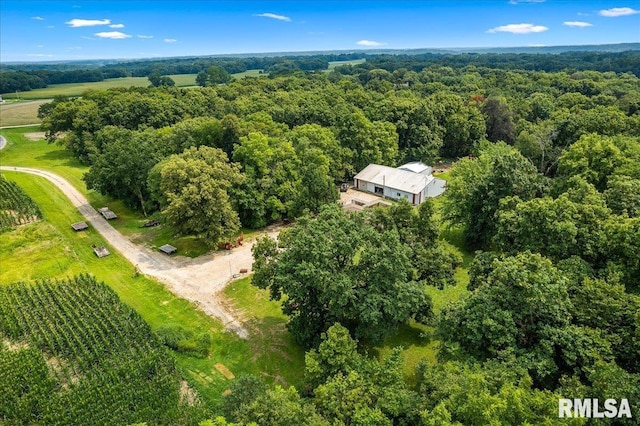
[{"x": 184, "y": 341}]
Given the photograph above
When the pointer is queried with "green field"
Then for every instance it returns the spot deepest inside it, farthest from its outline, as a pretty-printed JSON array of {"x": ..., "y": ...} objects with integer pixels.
[
  {"x": 71, "y": 353},
  {"x": 51, "y": 249},
  {"x": 250, "y": 73},
  {"x": 334, "y": 64},
  {"x": 20, "y": 113},
  {"x": 77, "y": 89}
]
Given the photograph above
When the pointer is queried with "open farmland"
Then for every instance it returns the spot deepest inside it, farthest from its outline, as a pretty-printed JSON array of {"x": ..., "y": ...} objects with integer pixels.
[
  {"x": 250, "y": 73},
  {"x": 77, "y": 89},
  {"x": 82, "y": 357},
  {"x": 21, "y": 113},
  {"x": 333, "y": 64},
  {"x": 16, "y": 208}
]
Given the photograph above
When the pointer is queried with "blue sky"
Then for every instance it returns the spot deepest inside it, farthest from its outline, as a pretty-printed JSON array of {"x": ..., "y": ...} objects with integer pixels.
[{"x": 62, "y": 30}]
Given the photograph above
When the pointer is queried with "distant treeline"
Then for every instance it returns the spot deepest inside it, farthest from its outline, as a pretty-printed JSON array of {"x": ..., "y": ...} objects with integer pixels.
[
  {"x": 16, "y": 78},
  {"x": 618, "y": 62},
  {"x": 23, "y": 81},
  {"x": 24, "y": 77}
]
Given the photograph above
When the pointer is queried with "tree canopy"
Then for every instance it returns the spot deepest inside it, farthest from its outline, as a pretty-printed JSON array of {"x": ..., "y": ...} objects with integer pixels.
[
  {"x": 191, "y": 189},
  {"x": 337, "y": 268}
]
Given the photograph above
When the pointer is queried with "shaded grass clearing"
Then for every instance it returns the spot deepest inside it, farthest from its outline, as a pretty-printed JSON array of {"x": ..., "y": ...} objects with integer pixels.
[
  {"x": 267, "y": 325},
  {"x": 418, "y": 340},
  {"x": 68, "y": 253},
  {"x": 77, "y": 89}
]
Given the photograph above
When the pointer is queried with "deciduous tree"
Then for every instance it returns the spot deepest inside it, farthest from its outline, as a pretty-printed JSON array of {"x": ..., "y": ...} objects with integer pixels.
[
  {"x": 336, "y": 268},
  {"x": 191, "y": 189},
  {"x": 477, "y": 186}
]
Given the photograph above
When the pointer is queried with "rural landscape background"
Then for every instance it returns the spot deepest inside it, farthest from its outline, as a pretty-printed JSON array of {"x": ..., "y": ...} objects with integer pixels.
[{"x": 286, "y": 302}]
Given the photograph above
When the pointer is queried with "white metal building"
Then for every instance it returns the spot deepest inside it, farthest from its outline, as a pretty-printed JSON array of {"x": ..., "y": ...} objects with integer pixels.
[{"x": 403, "y": 182}]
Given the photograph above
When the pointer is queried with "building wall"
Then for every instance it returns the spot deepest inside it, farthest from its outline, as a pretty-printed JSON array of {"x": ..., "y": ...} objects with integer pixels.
[{"x": 390, "y": 193}]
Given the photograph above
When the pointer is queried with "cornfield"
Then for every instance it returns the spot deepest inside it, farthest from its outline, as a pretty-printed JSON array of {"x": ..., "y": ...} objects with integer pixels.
[
  {"x": 16, "y": 208},
  {"x": 72, "y": 354}
]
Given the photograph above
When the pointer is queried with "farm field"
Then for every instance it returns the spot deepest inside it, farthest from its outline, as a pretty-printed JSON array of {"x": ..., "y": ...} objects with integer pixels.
[
  {"x": 16, "y": 208},
  {"x": 81, "y": 356},
  {"x": 334, "y": 64},
  {"x": 249, "y": 73},
  {"x": 76, "y": 89},
  {"x": 50, "y": 248},
  {"x": 21, "y": 113}
]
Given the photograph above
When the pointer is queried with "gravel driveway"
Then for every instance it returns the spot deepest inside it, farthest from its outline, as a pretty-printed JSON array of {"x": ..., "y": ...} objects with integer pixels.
[{"x": 198, "y": 280}]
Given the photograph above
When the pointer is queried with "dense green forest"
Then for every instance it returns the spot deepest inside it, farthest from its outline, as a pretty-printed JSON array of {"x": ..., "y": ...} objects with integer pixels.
[
  {"x": 544, "y": 186},
  {"x": 25, "y": 77}
]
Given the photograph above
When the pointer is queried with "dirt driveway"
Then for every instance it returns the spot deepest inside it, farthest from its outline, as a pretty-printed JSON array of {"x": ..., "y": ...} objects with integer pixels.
[{"x": 198, "y": 280}]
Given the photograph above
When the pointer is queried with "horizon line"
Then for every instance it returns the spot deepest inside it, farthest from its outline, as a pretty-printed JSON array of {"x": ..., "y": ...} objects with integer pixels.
[{"x": 319, "y": 52}]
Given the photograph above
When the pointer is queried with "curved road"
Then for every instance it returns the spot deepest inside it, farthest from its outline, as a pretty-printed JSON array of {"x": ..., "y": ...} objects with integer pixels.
[{"x": 198, "y": 280}]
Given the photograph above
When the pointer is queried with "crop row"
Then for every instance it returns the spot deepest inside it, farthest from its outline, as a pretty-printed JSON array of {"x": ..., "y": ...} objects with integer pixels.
[
  {"x": 16, "y": 208},
  {"x": 81, "y": 357}
]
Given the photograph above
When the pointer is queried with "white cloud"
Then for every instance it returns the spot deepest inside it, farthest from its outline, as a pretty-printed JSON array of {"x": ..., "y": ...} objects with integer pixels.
[
  {"x": 51, "y": 26},
  {"x": 37, "y": 18},
  {"x": 40, "y": 46},
  {"x": 77, "y": 23},
  {"x": 116, "y": 26},
  {"x": 518, "y": 29},
  {"x": 144, "y": 36},
  {"x": 274, "y": 16},
  {"x": 170, "y": 40},
  {"x": 370, "y": 43},
  {"x": 114, "y": 35},
  {"x": 618, "y": 11},
  {"x": 40, "y": 55},
  {"x": 579, "y": 24}
]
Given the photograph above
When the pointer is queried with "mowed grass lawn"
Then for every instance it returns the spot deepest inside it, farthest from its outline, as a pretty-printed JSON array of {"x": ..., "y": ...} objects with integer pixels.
[
  {"x": 21, "y": 151},
  {"x": 51, "y": 249},
  {"x": 77, "y": 89}
]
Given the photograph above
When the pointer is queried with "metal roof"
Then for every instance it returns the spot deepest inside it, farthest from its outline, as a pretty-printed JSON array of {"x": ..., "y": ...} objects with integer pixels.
[
  {"x": 403, "y": 180},
  {"x": 416, "y": 167}
]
